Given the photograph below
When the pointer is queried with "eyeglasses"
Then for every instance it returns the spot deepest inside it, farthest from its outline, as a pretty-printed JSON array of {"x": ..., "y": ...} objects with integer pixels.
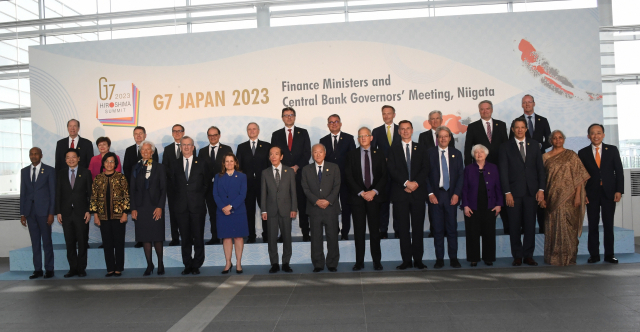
[
  {"x": 177, "y": 131},
  {"x": 288, "y": 116},
  {"x": 109, "y": 161},
  {"x": 364, "y": 136},
  {"x": 334, "y": 122}
]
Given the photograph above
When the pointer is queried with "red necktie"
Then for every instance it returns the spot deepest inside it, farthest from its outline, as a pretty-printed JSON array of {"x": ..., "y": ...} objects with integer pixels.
[
  {"x": 489, "y": 131},
  {"x": 290, "y": 140},
  {"x": 72, "y": 146}
]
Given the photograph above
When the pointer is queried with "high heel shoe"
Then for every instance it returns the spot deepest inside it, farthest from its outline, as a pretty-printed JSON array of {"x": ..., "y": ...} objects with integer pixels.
[
  {"x": 148, "y": 271},
  {"x": 227, "y": 270},
  {"x": 160, "y": 269},
  {"x": 239, "y": 271}
]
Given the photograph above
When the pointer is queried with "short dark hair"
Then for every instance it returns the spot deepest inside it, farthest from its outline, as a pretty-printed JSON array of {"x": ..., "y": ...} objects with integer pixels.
[
  {"x": 37, "y": 148},
  {"x": 528, "y": 95},
  {"x": 72, "y": 150},
  {"x": 178, "y": 125},
  {"x": 592, "y": 125},
  {"x": 334, "y": 116},
  {"x": 103, "y": 139},
  {"x": 223, "y": 169},
  {"x": 277, "y": 147},
  {"x": 485, "y": 102},
  {"x": 105, "y": 157},
  {"x": 389, "y": 106},
  {"x": 214, "y": 127},
  {"x": 75, "y": 121},
  {"x": 405, "y": 121},
  {"x": 288, "y": 109},
  {"x": 513, "y": 123},
  {"x": 141, "y": 128}
]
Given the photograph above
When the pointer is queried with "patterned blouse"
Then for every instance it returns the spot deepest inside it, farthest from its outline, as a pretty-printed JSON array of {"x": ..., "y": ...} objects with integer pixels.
[{"x": 119, "y": 200}]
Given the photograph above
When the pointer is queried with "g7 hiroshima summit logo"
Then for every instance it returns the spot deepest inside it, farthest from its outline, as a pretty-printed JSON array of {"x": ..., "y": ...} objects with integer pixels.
[{"x": 117, "y": 103}]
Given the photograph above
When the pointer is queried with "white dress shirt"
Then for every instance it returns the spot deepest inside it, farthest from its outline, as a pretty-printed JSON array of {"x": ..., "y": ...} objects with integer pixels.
[
  {"x": 525, "y": 145},
  {"x": 286, "y": 132},
  {"x": 184, "y": 164},
  {"x": 75, "y": 142},
  {"x": 593, "y": 149},
  {"x": 337, "y": 138},
  {"x": 274, "y": 168},
  {"x": 484, "y": 125},
  {"x": 214, "y": 151},
  {"x": 533, "y": 122},
  {"x": 446, "y": 155},
  {"x": 321, "y": 165},
  {"x": 175, "y": 148},
  {"x": 38, "y": 167}
]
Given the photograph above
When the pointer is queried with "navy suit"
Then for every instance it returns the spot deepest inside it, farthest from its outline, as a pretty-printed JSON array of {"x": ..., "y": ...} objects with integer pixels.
[
  {"x": 338, "y": 156},
  {"x": 381, "y": 143},
  {"x": 445, "y": 215},
  {"x": 605, "y": 182},
  {"x": 37, "y": 202},
  {"x": 168, "y": 156}
]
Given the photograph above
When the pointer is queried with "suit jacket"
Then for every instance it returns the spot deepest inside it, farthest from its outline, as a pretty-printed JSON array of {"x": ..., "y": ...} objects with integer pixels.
[
  {"x": 610, "y": 171},
  {"x": 205, "y": 155},
  {"x": 253, "y": 165},
  {"x": 231, "y": 190},
  {"x": 541, "y": 132},
  {"x": 426, "y": 140},
  {"x": 397, "y": 168},
  {"x": 456, "y": 171},
  {"x": 85, "y": 152},
  {"x": 338, "y": 156},
  {"x": 519, "y": 177},
  {"x": 189, "y": 195},
  {"x": 476, "y": 134},
  {"x": 380, "y": 141},
  {"x": 73, "y": 202},
  {"x": 354, "y": 177},
  {"x": 157, "y": 186},
  {"x": 168, "y": 157},
  {"x": 300, "y": 147},
  {"x": 328, "y": 189},
  {"x": 131, "y": 157},
  {"x": 278, "y": 199},
  {"x": 495, "y": 195},
  {"x": 42, "y": 194}
]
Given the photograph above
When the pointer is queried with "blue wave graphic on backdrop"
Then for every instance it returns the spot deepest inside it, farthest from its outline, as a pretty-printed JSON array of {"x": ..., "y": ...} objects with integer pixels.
[{"x": 47, "y": 88}]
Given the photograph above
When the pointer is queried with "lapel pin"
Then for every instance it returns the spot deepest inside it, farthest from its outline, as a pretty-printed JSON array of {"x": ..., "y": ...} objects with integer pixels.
[
  {"x": 375, "y": 151},
  {"x": 298, "y": 132},
  {"x": 196, "y": 161},
  {"x": 260, "y": 145},
  {"x": 488, "y": 173},
  {"x": 453, "y": 156},
  {"x": 79, "y": 175},
  {"x": 527, "y": 143},
  {"x": 327, "y": 169},
  {"x": 78, "y": 148},
  {"x": 236, "y": 176},
  {"x": 414, "y": 148},
  {"x": 285, "y": 170},
  {"x": 340, "y": 137},
  {"x": 606, "y": 148}
]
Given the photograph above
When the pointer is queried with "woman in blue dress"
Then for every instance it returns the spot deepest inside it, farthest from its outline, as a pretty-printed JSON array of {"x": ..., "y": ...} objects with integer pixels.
[{"x": 229, "y": 192}]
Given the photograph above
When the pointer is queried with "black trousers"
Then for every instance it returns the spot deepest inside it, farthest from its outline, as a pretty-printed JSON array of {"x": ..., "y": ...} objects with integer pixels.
[
  {"x": 192, "y": 230},
  {"x": 75, "y": 235},
  {"x": 113, "y": 232},
  {"x": 253, "y": 196},
  {"x": 346, "y": 211},
  {"x": 363, "y": 213},
  {"x": 608, "y": 207},
  {"x": 522, "y": 216},
  {"x": 303, "y": 218},
  {"x": 481, "y": 223},
  {"x": 212, "y": 207},
  {"x": 173, "y": 220},
  {"x": 410, "y": 228}
]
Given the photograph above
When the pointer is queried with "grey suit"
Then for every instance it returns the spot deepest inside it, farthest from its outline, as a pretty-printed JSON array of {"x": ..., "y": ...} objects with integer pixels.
[
  {"x": 278, "y": 201},
  {"x": 329, "y": 189}
]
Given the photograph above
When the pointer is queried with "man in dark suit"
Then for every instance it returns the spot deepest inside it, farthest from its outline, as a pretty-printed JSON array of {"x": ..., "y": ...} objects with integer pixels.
[
  {"x": 132, "y": 156},
  {"x": 366, "y": 176},
  {"x": 253, "y": 158},
  {"x": 171, "y": 153},
  {"x": 37, "y": 203},
  {"x": 338, "y": 145},
  {"x": 74, "y": 141},
  {"x": 383, "y": 138},
  {"x": 444, "y": 185},
  {"x": 491, "y": 133},
  {"x": 321, "y": 185},
  {"x": 279, "y": 205},
  {"x": 408, "y": 166},
  {"x": 604, "y": 189},
  {"x": 523, "y": 180},
  {"x": 73, "y": 191},
  {"x": 537, "y": 129},
  {"x": 191, "y": 178},
  {"x": 213, "y": 155},
  {"x": 296, "y": 146}
]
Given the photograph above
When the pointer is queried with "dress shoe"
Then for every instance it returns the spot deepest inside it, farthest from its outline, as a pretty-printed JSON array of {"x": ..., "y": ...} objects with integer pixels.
[
  {"x": 160, "y": 269},
  {"x": 455, "y": 263},
  {"x": 213, "y": 241},
  {"x": 488, "y": 263},
  {"x": 138, "y": 245},
  {"x": 174, "y": 243},
  {"x": 36, "y": 274},
  {"x": 227, "y": 270},
  {"x": 439, "y": 264},
  {"x": 89, "y": 247},
  {"x": 101, "y": 246},
  {"x": 358, "y": 267},
  {"x": 251, "y": 240},
  {"x": 306, "y": 238},
  {"x": 82, "y": 274},
  {"x": 49, "y": 274},
  {"x": 195, "y": 270},
  {"x": 70, "y": 274},
  {"x": 274, "y": 268},
  {"x": 333, "y": 269},
  {"x": 109, "y": 274},
  {"x": 317, "y": 269},
  {"x": 187, "y": 270},
  {"x": 377, "y": 266},
  {"x": 344, "y": 237},
  {"x": 593, "y": 259},
  {"x": 611, "y": 260},
  {"x": 430, "y": 234},
  {"x": 404, "y": 266},
  {"x": 286, "y": 268},
  {"x": 148, "y": 271},
  {"x": 530, "y": 261},
  {"x": 384, "y": 235},
  {"x": 419, "y": 265},
  {"x": 517, "y": 262},
  {"x": 474, "y": 264},
  {"x": 265, "y": 239},
  {"x": 239, "y": 271},
  {"x": 117, "y": 274}
]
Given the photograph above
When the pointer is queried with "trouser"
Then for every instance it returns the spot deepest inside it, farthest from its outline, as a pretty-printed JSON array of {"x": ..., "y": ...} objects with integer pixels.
[
  {"x": 522, "y": 217},
  {"x": 274, "y": 223},
  {"x": 330, "y": 225},
  {"x": 597, "y": 205},
  {"x": 39, "y": 231},
  {"x": 303, "y": 218},
  {"x": 173, "y": 221},
  {"x": 363, "y": 213},
  {"x": 253, "y": 196},
  {"x": 192, "y": 230},
  {"x": 212, "y": 207},
  {"x": 481, "y": 223},
  {"x": 75, "y": 235},
  {"x": 346, "y": 211},
  {"x": 445, "y": 216},
  {"x": 410, "y": 228},
  {"x": 113, "y": 232}
]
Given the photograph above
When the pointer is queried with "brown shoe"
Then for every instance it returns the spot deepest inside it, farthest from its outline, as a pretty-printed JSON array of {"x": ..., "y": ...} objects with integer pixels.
[
  {"x": 530, "y": 261},
  {"x": 517, "y": 262}
]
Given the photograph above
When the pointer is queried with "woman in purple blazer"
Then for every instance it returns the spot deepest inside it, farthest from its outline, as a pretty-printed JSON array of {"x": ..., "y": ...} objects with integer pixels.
[{"x": 482, "y": 199}]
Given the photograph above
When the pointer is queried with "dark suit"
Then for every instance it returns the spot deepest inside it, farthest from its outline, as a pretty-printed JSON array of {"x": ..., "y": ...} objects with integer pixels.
[
  {"x": 168, "y": 156},
  {"x": 214, "y": 168},
  {"x": 190, "y": 207},
  {"x": 363, "y": 210},
  {"x": 252, "y": 165},
  {"x": 445, "y": 215},
  {"x": 278, "y": 201},
  {"x": 338, "y": 156},
  {"x": 37, "y": 202},
  {"x": 299, "y": 155},
  {"x": 523, "y": 179},
  {"x": 409, "y": 208},
  {"x": 381, "y": 143},
  {"x": 131, "y": 158},
  {"x": 601, "y": 196},
  {"x": 85, "y": 152},
  {"x": 72, "y": 204}
]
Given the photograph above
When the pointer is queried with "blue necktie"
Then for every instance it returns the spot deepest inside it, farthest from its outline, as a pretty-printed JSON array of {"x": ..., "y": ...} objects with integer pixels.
[
  {"x": 408, "y": 153},
  {"x": 531, "y": 129},
  {"x": 319, "y": 174},
  {"x": 33, "y": 177},
  {"x": 186, "y": 170},
  {"x": 445, "y": 172}
]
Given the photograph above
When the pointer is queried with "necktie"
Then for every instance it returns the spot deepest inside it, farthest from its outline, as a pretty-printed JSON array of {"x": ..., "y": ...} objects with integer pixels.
[
  {"x": 598, "y": 157},
  {"x": 213, "y": 155},
  {"x": 531, "y": 129},
  {"x": 290, "y": 140},
  {"x": 389, "y": 135},
  {"x": 73, "y": 145},
  {"x": 138, "y": 151},
  {"x": 33, "y": 177},
  {"x": 524, "y": 157},
  {"x": 179, "y": 153},
  {"x": 335, "y": 142},
  {"x": 319, "y": 174},
  {"x": 367, "y": 172},
  {"x": 277, "y": 177},
  {"x": 489, "y": 131},
  {"x": 408, "y": 153},
  {"x": 73, "y": 178},
  {"x": 253, "y": 148},
  {"x": 445, "y": 171},
  {"x": 186, "y": 170}
]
